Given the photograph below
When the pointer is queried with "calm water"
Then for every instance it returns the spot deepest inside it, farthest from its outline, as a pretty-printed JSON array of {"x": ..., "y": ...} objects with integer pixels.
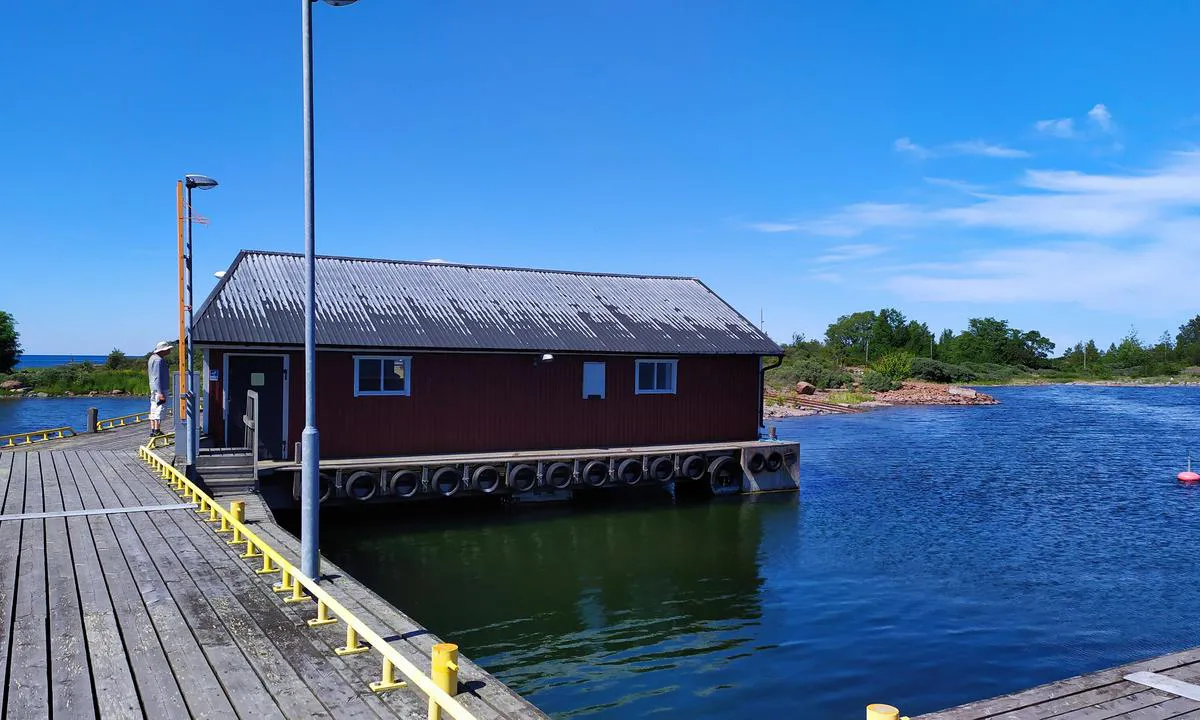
[
  {"x": 40, "y": 413},
  {"x": 32, "y": 361},
  {"x": 933, "y": 556}
]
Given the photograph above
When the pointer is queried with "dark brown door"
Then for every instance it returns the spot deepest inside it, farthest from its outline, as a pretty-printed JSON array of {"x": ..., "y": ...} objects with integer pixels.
[{"x": 265, "y": 375}]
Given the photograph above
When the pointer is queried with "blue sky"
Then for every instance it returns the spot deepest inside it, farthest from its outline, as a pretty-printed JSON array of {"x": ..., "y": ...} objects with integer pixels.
[{"x": 1032, "y": 161}]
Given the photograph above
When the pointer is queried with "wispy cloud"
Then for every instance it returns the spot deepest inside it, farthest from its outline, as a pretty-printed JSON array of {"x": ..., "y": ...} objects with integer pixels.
[
  {"x": 979, "y": 147},
  {"x": 774, "y": 227},
  {"x": 1110, "y": 241},
  {"x": 1099, "y": 123},
  {"x": 905, "y": 145},
  {"x": 844, "y": 253},
  {"x": 1059, "y": 127},
  {"x": 963, "y": 147}
]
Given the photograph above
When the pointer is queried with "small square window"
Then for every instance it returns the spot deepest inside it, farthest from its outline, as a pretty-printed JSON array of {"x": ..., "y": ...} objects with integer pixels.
[
  {"x": 381, "y": 375},
  {"x": 656, "y": 377}
]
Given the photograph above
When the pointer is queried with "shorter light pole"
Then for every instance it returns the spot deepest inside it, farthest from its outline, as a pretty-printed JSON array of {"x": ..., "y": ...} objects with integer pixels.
[{"x": 191, "y": 427}]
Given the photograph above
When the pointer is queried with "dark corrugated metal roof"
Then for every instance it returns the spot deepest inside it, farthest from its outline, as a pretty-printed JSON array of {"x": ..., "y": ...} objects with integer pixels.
[{"x": 394, "y": 304}]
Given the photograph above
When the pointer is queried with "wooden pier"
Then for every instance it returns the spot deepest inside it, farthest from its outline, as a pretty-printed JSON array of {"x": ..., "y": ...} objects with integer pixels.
[
  {"x": 1163, "y": 688},
  {"x": 117, "y": 600}
]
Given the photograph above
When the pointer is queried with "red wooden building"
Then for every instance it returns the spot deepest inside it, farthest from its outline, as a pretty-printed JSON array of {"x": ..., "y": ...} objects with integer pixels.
[{"x": 425, "y": 358}]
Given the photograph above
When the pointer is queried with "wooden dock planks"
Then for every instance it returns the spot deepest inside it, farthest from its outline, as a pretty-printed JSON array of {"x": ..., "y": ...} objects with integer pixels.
[
  {"x": 1096, "y": 696},
  {"x": 149, "y": 613}
]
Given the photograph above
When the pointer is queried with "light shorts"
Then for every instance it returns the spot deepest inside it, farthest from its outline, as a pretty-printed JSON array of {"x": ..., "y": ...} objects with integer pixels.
[{"x": 156, "y": 409}]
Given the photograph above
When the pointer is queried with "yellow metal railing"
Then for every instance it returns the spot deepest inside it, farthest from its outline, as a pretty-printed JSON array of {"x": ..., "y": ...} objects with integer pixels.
[
  {"x": 110, "y": 423},
  {"x": 35, "y": 436},
  {"x": 161, "y": 441},
  {"x": 359, "y": 637}
]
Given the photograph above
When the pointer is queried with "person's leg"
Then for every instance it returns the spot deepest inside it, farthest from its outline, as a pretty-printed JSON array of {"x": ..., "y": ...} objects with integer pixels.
[{"x": 155, "y": 415}]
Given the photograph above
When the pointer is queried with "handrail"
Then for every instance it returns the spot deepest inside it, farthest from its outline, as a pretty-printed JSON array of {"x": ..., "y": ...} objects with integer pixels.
[
  {"x": 110, "y": 423},
  {"x": 445, "y": 655},
  {"x": 33, "y": 436},
  {"x": 134, "y": 419},
  {"x": 161, "y": 441}
]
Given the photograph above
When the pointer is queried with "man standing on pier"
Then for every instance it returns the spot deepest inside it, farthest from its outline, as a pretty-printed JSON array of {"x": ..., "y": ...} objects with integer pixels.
[{"x": 160, "y": 380}]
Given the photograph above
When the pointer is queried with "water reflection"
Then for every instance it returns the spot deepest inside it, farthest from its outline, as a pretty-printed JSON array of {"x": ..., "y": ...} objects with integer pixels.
[{"x": 583, "y": 609}]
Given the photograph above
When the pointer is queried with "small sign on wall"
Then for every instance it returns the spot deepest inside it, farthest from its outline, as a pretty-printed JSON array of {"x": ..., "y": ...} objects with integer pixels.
[
  {"x": 258, "y": 379},
  {"x": 214, "y": 375}
]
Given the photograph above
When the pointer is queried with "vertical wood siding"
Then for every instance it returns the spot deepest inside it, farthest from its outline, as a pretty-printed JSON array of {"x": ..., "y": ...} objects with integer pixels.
[{"x": 498, "y": 402}]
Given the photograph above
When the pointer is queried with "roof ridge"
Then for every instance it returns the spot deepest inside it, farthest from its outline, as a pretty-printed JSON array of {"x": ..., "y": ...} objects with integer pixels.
[{"x": 473, "y": 266}]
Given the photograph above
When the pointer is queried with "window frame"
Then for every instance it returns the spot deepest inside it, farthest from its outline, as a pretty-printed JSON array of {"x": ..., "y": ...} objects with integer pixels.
[
  {"x": 637, "y": 370},
  {"x": 405, "y": 359}
]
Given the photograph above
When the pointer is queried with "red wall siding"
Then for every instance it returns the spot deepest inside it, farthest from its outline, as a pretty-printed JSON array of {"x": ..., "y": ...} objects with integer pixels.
[{"x": 484, "y": 402}]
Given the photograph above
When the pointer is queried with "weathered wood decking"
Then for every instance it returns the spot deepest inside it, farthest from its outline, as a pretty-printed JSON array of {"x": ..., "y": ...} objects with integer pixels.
[
  {"x": 124, "y": 437},
  {"x": 1104, "y": 694},
  {"x": 132, "y": 612}
]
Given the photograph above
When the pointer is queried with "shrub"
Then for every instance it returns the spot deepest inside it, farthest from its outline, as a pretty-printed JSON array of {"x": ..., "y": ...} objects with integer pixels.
[
  {"x": 848, "y": 398},
  {"x": 812, "y": 371},
  {"x": 875, "y": 381},
  {"x": 895, "y": 365},
  {"x": 936, "y": 371}
]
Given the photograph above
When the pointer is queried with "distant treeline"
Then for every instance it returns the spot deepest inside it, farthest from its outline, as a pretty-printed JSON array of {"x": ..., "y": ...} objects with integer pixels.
[
  {"x": 988, "y": 350},
  {"x": 119, "y": 372}
]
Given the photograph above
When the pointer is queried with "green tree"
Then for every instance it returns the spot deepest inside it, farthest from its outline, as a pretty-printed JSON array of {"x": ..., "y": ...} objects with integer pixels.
[
  {"x": 10, "y": 342},
  {"x": 1130, "y": 352},
  {"x": 116, "y": 360},
  {"x": 1187, "y": 342},
  {"x": 850, "y": 335}
]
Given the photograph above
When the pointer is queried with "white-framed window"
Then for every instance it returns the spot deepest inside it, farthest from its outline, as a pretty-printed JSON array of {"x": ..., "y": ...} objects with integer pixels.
[
  {"x": 656, "y": 377},
  {"x": 382, "y": 375},
  {"x": 593, "y": 380}
]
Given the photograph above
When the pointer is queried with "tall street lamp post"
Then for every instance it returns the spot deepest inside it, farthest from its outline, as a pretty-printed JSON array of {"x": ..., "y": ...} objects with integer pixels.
[
  {"x": 310, "y": 497},
  {"x": 191, "y": 427}
]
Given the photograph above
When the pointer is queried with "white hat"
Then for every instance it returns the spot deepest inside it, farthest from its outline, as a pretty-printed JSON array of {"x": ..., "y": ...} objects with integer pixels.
[{"x": 163, "y": 345}]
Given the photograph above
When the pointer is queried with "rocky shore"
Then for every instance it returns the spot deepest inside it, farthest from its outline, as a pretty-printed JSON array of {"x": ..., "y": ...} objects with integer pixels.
[
  {"x": 806, "y": 400},
  {"x": 925, "y": 393}
]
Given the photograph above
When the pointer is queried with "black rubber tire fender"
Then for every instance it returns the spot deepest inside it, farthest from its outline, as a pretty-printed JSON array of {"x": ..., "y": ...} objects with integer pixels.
[
  {"x": 441, "y": 478},
  {"x": 487, "y": 479},
  {"x": 522, "y": 477},
  {"x": 661, "y": 469},
  {"x": 595, "y": 473},
  {"x": 559, "y": 475},
  {"x": 357, "y": 479},
  {"x": 405, "y": 483}
]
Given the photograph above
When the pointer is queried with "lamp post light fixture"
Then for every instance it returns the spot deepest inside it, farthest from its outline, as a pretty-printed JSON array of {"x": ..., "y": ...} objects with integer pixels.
[
  {"x": 310, "y": 455},
  {"x": 191, "y": 427}
]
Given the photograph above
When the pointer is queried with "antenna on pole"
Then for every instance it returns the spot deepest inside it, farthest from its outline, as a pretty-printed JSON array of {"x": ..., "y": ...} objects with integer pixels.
[{"x": 761, "y": 321}]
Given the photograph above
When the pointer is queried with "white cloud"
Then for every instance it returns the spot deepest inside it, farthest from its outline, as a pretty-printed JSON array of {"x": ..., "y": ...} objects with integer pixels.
[
  {"x": 964, "y": 147},
  {"x": 905, "y": 145},
  {"x": 855, "y": 219},
  {"x": 1060, "y": 128},
  {"x": 1100, "y": 115},
  {"x": 843, "y": 253},
  {"x": 1113, "y": 241},
  {"x": 1062, "y": 202},
  {"x": 774, "y": 227},
  {"x": 979, "y": 147},
  {"x": 436, "y": 260}
]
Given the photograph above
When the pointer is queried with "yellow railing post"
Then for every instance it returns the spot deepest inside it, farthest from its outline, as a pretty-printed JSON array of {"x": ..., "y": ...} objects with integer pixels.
[
  {"x": 297, "y": 593},
  {"x": 352, "y": 645},
  {"x": 388, "y": 681},
  {"x": 268, "y": 566},
  {"x": 879, "y": 711},
  {"x": 285, "y": 582},
  {"x": 444, "y": 674},
  {"x": 322, "y": 617}
]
